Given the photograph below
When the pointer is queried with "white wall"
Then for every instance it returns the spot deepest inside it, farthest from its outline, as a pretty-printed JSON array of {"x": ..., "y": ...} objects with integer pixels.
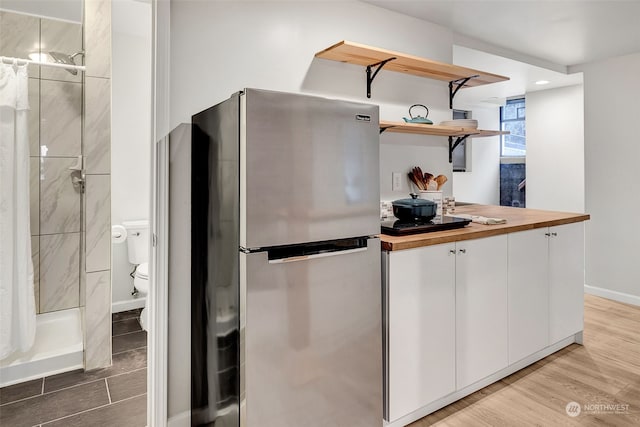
[
  {"x": 481, "y": 182},
  {"x": 555, "y": 149},
  {"x": 130, "y": 131},
  {"x": 271, "y": 45},
  {"x": 218, "y": 48},
  {"x": 399, "y": 152},
  {"x": 612, "y": 150}
]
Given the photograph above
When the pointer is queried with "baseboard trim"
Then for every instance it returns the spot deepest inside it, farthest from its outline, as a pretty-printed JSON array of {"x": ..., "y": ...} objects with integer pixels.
[
  {"x": 612, "y": 295},
  {"x": 118, "y": 306}
]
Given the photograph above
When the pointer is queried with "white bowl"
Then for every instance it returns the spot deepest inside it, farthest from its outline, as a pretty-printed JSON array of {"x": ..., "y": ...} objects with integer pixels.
[{"x": 465, "y": 123}]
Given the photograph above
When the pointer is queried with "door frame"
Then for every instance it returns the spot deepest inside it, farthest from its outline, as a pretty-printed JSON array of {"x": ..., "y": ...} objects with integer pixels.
[{"x": 157, "y": 301}]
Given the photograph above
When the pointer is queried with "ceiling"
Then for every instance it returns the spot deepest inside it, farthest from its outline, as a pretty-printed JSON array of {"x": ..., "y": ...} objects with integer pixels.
[
  {"x": 561, "y": 32},
  {"x": 522, "y": 78}
]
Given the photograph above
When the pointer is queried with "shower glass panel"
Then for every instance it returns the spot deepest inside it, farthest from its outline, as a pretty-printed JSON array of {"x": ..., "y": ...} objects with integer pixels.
[{"x": 55, "y": 136}]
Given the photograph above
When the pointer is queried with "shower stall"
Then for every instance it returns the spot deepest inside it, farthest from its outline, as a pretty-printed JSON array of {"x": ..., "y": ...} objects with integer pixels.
[{"x": 69, "y": 210}]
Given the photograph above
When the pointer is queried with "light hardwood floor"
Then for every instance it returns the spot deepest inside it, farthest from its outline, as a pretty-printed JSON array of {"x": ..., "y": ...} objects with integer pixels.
[{"x": 605, "y": 371}]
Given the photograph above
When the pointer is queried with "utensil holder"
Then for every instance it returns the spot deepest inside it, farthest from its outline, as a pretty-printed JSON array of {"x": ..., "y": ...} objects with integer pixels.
[{"x": 435, "y": 196}]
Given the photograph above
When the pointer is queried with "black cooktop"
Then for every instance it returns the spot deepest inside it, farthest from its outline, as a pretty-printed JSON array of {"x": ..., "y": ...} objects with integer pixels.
[{"x": 439, "y": 223}]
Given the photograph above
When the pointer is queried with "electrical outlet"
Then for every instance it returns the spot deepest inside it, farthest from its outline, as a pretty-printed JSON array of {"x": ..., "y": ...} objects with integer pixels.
[{"x": 396, "y": 181}]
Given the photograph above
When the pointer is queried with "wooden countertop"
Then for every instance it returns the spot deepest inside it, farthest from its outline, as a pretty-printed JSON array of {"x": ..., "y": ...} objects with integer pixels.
[{"x": 518, "y": 219}]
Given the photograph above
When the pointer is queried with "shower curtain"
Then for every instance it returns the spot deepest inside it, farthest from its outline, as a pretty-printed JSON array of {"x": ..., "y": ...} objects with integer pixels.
[{"x": 17, "y": 300}]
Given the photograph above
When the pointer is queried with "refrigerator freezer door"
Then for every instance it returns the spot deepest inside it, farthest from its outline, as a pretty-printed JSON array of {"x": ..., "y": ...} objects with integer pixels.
[
  {"x": 311, "y": 170},
  {"x": 214, "y": 269},
  {"x": 313, "y": 340}
]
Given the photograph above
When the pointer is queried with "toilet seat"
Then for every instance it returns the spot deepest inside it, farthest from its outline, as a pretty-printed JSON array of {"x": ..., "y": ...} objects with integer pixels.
[
  {"x": 141, "y": 280},
  {"x": 141, "y": 283}
]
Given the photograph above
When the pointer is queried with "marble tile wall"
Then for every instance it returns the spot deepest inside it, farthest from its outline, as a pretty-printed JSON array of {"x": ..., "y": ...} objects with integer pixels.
[
  {"x": 60, "y": 118},
  {"x": 97, "y": 127},
  {"x": 63, "y": 37},
  {"x": 97, "y": 37},
  {"x": 59, "y": 199},
  {"x": 55, "y": 132},
  {"x": 35, "y": 258},
  {"x": 20, "y": 36},
  {"x": 97, "y": 149},
  {"x": 34, "y": 195},
  {"x": 34, "y": 116},
  {"x": 98, "y": 223},
  {"x": 59, "y": 271},
  {"x": 98, "y": 320}
]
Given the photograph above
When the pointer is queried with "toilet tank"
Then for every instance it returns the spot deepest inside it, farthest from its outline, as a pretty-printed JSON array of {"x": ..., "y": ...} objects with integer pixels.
[{"x": 137, "y": 240}]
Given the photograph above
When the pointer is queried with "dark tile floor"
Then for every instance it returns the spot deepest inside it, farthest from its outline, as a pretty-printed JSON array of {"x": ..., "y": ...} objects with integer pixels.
[{"x": 109, "y": 397}]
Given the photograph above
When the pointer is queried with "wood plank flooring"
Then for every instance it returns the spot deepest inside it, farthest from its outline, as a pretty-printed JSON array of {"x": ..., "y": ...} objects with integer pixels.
[
  {"x": 113, "y": 396},
  {"x": 605, "y": 371}
]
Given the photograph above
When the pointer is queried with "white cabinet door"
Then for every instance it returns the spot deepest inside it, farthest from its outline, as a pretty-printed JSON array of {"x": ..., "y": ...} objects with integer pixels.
[
  {"x": 528, "y": 279},
  {"x": 566, "y": 280},
  {"x": 421, "y": 322},
  {"x": 481, "y": 308}
]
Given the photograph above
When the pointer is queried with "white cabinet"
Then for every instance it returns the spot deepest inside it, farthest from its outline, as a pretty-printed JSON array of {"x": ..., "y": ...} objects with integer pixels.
[
  {"x": 528, "y": 292},
  {"x": 420, "y": 304},
  {"x": 481, "y": 309},
  {"x": 456, "y": 313},
  {"x": 546, "y": 285},
  {"x": 566, "y": 280},
  {"x": 446, "y": 311}
]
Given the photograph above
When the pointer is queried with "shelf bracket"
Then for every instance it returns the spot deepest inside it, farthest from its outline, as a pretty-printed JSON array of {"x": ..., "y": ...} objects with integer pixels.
[
  {"x": 453, "y": 145},
  {"x": 382, "y": 130},
  {"x": 458, "y": 84},
  {"x": 375, "y": 73}
]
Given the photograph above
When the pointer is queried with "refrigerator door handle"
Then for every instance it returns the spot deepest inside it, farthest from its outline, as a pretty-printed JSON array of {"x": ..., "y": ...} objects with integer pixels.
[{"x": 314, "y": 256}]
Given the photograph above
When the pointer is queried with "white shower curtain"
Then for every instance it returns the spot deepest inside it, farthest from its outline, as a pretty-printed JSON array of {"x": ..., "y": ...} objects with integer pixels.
[{"x": 17, "y": 300}]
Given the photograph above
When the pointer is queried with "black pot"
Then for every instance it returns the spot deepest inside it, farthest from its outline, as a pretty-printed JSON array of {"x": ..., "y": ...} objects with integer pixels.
[{"x": 414, "y": 209}]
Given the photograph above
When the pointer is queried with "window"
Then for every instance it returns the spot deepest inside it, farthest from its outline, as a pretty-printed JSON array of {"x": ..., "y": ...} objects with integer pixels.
[
  {"x": 460, "y": 152},
  {"x": 513, "y": 148},
  {"x": 512, "y": 118}
]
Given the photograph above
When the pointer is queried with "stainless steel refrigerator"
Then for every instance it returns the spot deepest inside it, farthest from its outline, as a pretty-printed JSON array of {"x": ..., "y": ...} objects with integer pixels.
[{"x": 285, "y": 266}]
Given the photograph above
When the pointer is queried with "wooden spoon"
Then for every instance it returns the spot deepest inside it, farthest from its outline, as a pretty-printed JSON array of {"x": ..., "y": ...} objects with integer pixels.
[
  {"x": 413, "y": 179},
  {"x": 420, "y": 177},
  {"x": 417, "y": 178},
  {"x": 441, "y": 179},
  {"x": 427, "y": 177}
]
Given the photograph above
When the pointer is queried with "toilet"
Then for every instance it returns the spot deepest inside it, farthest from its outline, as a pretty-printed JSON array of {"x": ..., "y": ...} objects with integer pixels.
[{"x": 138, "y": 254}]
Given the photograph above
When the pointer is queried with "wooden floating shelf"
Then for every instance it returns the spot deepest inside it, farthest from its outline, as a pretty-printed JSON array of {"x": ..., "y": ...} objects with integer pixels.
[
  {"x": 355, "y": 53},
  {"x": 437, "y": 130},
  {"x": 482, "y": 133}
]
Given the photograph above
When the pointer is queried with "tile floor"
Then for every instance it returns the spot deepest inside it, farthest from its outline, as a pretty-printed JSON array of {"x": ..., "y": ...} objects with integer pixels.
[{"x": 109, "y": 397}]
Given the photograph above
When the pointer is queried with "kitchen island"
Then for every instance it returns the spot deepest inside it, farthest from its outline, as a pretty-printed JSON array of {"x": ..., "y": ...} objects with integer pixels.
[{"x": 466, "y": 307}]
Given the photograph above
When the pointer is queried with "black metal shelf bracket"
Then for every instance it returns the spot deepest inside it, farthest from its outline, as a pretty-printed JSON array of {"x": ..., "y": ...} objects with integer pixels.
[
  {"x": 458, "y": 84},
  {"x": 453, "y": 145},
  {"x": 375, "y": 73},
  {"x": 382, "y": 130}
]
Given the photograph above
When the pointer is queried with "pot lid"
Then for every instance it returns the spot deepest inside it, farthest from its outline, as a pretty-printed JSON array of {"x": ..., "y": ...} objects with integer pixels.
[{"x": 414, "y": 201}]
